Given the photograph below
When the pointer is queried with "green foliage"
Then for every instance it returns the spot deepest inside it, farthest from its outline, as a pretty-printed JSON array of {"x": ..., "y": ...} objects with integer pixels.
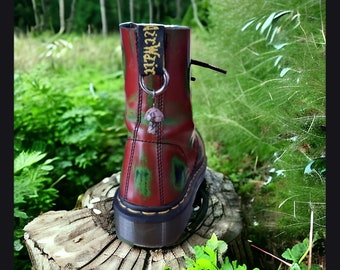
[
  {"x": 276, "y": 29},
  {"x": 264, "y": 123},
  {"x": 210, "y": 257},
  {"x": 317, "y": 166},
  {"x": 206, "y": 256},
  {"x": 69, "y": 124},
  {"x": 269, "y": 110},
  {"x": 71, "y": 111},
  {"x": 80, "y": 120},
  {"x": 202, "y": 15},
  {"x": 297, "y": 254},
  {"x": 297, "y": 251},
  {"x": 33, "y": 194},
  {"x": 72, "y": 114}
]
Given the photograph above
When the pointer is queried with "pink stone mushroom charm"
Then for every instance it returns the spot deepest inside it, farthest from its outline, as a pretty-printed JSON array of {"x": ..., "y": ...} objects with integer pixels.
[{"x": 154, "y": 116}]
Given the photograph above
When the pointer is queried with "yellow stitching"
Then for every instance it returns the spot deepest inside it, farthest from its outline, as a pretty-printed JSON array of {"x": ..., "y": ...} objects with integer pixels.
[
  {"x": 133, "y": 211},
  {"x": 149, "y": 213}
]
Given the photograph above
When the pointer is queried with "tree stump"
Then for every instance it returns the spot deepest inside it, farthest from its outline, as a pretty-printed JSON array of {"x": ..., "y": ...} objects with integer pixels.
[{"x": 84, "y": 238}]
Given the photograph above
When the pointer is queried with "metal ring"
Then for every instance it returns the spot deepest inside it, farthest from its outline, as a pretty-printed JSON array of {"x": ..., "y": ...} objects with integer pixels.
[{"x": 158, "y": 91}]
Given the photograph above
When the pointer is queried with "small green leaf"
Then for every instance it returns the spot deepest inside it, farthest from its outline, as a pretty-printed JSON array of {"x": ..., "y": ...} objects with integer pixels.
[
  {"x": 279, "y": 14},
  {"x": 20, "y": 214},
  {"x": 296, "y": 252},
  {"x": 294, "y": 266},
  {"x": 308, "y": 168},
  {"x": 316, "y": 165},
  {"x": 222, "y": 247},
  {"x": 205, "y": 264},
  {"x": 274, "y": 32},
  {"x": 198, "y": 251},
  {"x": 247, "y": 25},
  {"x": 258, "y": 26},
  {"x": 17, "y": 245},
  {"x": 47, "y": 167},
  {"x": 227, "y": 265},
  {"x": 212, "y": 242},
  {"x": 278, "y": 59},
  {"x": 279, "y": 46},
  {"x": 284, "y": 71},
  {"x": 25, "y": 159},
  {"x": 268, "y": 22},
  {"x": 211, "y": 253}
]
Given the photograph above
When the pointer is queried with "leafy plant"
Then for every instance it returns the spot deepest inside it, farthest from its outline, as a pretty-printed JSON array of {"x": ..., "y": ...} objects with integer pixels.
[
  {"x": 264, "y": 123},
  {"x": 68, "y": 119},
  {"x": 317, "y": 166},
  {"x": 207, "y": 256},
  {"x": 210, "y": 257},
  {"x": 297, "y": 255},
  {"x": 81, "y": 126},
  {"x": 34, "y": 193}
]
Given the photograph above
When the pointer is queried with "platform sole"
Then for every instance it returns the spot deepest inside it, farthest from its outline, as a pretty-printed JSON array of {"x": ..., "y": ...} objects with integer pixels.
[{"x": 155, "y": 228}]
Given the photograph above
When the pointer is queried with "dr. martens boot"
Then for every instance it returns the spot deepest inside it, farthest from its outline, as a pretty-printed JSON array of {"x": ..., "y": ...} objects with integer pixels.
[{"x": 164, "y": 160}]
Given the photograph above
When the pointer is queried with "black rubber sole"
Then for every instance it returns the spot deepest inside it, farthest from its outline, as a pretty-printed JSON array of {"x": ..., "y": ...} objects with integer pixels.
[{"x": 155, "y": 228}]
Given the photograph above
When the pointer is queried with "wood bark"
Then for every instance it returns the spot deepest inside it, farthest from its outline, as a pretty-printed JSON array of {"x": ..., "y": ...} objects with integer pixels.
[
  {"x": 84, "y": 238},
  {"x": 131, "y": 7},
  {"x": 44, "y": 23},
  {"x": 103, "y": 17},
  {"x": 62, "y": 16},
  {"x": 196, "y": 18},
  {"x": 150, "y": 11},
  {"x": 71, "y": 18},
  {"x": 36, "y": 16},
  {"x": 178, "y": 9},
  {"x": 119, "y": 12}
]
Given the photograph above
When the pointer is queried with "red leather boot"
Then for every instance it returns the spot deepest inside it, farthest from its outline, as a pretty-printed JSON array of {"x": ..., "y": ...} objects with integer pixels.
[{"x": 164, "y": 161}]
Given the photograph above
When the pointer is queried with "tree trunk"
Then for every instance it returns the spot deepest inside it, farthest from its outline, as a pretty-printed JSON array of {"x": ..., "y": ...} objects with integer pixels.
[
  {"x": 44, "y": 23},
  {"x": 119, "y": 12},
  {"x": 178, "y": 9},
  {"x": 150, "y": 11},
  {"x": 103, "y": 17},
  {"x": 62, "y": 16},
  {"x": 71, "y": 18},
  {"x": 194, "y": 8},
  {"x": 158, "y": 10},
  {"x": 131, "y": 10},
  {"x": 36, "y": 17},
  {"x": 85, "y": 238}
]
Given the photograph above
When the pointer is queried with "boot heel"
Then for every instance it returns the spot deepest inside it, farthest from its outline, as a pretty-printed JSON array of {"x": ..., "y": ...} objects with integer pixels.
[{"x": 157, "y": 227}]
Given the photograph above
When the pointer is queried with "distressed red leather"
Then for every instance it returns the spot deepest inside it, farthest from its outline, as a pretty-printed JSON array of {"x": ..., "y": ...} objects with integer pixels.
[{"x": 161, "y": 171}]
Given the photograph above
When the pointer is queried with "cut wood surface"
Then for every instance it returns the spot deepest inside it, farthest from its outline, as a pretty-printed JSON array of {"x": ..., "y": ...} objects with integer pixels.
[{"x": 85, "y": 238}]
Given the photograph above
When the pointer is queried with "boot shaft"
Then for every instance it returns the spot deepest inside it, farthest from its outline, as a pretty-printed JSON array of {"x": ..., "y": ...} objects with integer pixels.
[{"x": 173, "y": 57}]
